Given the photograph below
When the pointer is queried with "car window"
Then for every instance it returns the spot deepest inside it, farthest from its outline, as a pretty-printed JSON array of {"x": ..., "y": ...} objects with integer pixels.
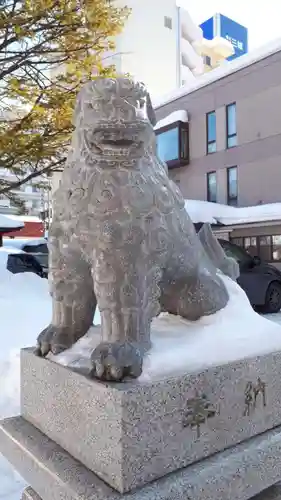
[
  {"x": 235, "y": 252},
  {"x": 42, "y": 258},
  {"x": 27, "y": 260},
  {"x": 41, "y": 248}
]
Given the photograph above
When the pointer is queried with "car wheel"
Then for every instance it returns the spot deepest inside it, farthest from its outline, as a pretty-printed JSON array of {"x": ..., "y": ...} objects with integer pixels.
[{"x": 273, "y": 298}]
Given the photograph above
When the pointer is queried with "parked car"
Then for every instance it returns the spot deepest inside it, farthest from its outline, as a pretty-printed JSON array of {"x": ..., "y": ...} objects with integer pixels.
[
  {"x": 22, "y": 262},
  {"x": 259, "y": 280},
  {"x": 37, "y": 249}
]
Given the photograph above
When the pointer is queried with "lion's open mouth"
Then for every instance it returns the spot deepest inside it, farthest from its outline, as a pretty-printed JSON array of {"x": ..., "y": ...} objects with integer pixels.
[{"x": 119, "y": 143}]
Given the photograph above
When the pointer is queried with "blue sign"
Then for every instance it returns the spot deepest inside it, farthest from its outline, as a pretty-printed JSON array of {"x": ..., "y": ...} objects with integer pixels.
[
  {"x": 223, "y": 26},
  {"x": 208, "y": 28}
]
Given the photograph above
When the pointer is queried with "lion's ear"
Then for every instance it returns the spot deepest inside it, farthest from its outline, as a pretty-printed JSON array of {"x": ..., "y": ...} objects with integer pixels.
[
  {"x": 150, "y": 111},
  {"x": 149, "y": 108},
  {"x": 77, "y": 110}
]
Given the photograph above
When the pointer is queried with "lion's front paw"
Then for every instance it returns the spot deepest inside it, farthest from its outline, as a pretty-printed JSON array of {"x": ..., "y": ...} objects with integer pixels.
[
  {"x": 53, "y": 339},
  {"x": 116, "y": 361}
]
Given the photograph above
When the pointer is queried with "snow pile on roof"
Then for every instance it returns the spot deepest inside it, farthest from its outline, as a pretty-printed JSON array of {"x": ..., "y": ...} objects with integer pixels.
[
  {"x": 21, "y": 242},
  {"x": 9, "y": 222},
  {"x": 25, "y": 218},
  {"x": 177, "y": 116},
  {"x": 220, "y": 72},
  {"x": 215, "y": 213}
]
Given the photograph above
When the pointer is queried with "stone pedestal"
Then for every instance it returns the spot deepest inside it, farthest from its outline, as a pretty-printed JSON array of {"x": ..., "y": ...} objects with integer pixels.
[
  {"x": 273, "y": 493},
  {"x": 213, "y": 435},
  {"x": 130, "y": 434}
]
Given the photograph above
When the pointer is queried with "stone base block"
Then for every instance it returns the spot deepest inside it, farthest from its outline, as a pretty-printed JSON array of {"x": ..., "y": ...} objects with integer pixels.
[
  {"x": 239, "y": 473},
  {"x": 273, "y": 493},
  {"x": 133, "y": 433}
]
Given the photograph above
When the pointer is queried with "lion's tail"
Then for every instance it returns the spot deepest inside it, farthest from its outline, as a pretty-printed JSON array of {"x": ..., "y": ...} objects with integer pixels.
[{"x": 216, "y": 254}]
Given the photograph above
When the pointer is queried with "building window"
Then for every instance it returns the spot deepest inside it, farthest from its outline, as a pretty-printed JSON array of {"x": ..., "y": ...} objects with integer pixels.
[
  {"x": 265, "y": 249},
  {"x": 250, "y": 244},
  {"x": 173, "y": 144},
  {"x": 167, "y": 145},
  {"x": 211, "y": 132},
  {"x": 232, "y": 186},
  {"x": 168, "y": 22},
  {"x": 207, "y": 60},
  {"x": 268, "y": 248},
  {"x": 35, "y": 204},
  {"x": 212, "y": 187},
  {"x": 231, "y": 130},
  {"x": 276, "y": 248}
]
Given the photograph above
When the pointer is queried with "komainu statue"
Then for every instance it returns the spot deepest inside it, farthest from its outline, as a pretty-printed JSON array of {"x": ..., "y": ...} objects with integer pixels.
[{"x": 120, "y": 236}]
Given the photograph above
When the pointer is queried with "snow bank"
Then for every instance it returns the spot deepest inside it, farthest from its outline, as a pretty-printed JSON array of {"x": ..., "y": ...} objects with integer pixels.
[
  {"x": 176, "y": 116},
  {"x": 215, "y": 213},
  {"x": 180, "y": 346},
  {"x": 25, "y": 309}
]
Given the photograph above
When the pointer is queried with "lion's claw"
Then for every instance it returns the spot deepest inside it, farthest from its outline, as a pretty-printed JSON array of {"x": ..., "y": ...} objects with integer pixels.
[
  {"x": 116, "y": 361},
  {"x": 54, "y": 339}
]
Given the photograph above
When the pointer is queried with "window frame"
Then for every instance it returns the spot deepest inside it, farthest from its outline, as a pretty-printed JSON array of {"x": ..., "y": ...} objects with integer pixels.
[
  {"x": 229, "y": 199},
  {"x": 208, "y": 186},
  {"x": 182, "y": 159},
  {"x": 208, "y": 142},
  {"x": 228, "y": 135}
]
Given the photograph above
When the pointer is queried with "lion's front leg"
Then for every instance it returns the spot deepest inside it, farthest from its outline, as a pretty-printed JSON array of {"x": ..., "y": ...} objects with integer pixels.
[
  {"x": 127, "y": 295},
  {"x": 73, "y": 298}
]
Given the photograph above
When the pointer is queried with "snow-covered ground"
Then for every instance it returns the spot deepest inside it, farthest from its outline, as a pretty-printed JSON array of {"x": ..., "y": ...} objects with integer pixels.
[{"x": 25, "y": 309}]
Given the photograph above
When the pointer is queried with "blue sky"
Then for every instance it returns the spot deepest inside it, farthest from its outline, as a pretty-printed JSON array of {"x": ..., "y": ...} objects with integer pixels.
[{"x": 262, "y": 18}]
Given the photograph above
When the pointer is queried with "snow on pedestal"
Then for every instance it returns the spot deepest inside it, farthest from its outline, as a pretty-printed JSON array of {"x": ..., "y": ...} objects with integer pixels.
[{"x": 180, "y": 346}]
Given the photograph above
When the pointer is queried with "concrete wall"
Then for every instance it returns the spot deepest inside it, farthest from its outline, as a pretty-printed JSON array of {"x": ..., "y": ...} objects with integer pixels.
[{"x": 256, "y": 90}]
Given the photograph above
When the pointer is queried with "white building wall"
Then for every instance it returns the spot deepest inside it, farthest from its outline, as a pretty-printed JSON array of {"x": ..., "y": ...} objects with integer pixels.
[
  {"x": 150, "y": 50},
  {"x": 35, "y": 198},
  {"x": 163, "y": 57}
]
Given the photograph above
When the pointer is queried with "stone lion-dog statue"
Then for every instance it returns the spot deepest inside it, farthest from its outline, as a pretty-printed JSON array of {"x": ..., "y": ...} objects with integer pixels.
[{"x": 121, "y": 238}]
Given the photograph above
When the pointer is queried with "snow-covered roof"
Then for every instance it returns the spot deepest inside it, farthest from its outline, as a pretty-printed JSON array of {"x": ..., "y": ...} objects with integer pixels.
[
  {"x": 21, "y": 242},
  {"x": 7, "y": 221},
  {"x": 220, "y": 72},
  {"x": 177, "y": 116},
  {"x": 25, "y": 218},
  {"x": 215, "y": 213}
]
